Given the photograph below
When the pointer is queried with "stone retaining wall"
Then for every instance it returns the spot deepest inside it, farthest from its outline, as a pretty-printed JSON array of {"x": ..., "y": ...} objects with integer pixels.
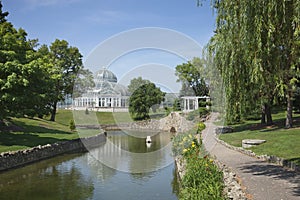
[{"x": 10, "y": 160}]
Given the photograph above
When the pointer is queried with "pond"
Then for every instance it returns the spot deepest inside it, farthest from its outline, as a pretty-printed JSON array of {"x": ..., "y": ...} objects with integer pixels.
[{"x": 119, "y": 169}]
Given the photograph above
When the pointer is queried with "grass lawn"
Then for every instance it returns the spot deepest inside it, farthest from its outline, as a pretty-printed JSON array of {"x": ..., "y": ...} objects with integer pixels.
[
  {"x": 33, "y": 132},
  {"x": 281, "y": 142},
  {"x": 26, "y": 133}
]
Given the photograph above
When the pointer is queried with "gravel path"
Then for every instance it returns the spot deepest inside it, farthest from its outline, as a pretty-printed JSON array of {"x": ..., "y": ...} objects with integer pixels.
[{"x": 261, "y": 180}]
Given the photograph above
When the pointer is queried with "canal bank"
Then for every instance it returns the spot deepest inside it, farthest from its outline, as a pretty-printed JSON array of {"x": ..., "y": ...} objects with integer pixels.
[
  {"x": 86, "y": 176},
  {"x": 9, "y": 160}
]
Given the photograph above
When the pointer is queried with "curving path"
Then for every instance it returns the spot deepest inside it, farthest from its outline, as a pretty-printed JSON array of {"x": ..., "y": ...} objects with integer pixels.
[{"x": 262, "y": 180}]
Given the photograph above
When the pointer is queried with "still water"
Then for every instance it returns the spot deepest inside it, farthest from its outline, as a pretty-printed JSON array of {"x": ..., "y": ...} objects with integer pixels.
[{"x": 127, "y": 174}]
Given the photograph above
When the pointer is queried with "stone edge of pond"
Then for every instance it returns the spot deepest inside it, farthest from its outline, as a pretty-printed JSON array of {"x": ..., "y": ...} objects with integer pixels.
[
  {"x": 14, "y": 159},
  {"x": 271, "y": 159}
]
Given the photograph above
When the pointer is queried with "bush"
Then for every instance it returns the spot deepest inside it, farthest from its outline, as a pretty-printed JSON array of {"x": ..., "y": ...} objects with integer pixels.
[
  {"x": 201, "y": 112},
  {"x": 184, "y": 144},
  {"x": 200, "y": 127},
  {"x": 202, "y": 178},
  {"x": 72, "y": 125}
]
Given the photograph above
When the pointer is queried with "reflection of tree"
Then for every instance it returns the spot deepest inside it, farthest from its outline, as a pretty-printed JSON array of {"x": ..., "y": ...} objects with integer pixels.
[
  {"x": 58, "y": 181},
  {"x": 175, "y": 182},
  {"x": 143, "y": 176}
]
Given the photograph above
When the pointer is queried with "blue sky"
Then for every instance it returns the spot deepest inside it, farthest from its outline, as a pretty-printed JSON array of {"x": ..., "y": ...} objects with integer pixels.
[{"x": 88, "y": 23}]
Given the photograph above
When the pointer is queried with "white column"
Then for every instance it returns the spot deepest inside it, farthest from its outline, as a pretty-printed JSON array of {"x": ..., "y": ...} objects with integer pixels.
[
  {"x": 112, "y": 102},
  {"x": 196, "y": 103}
]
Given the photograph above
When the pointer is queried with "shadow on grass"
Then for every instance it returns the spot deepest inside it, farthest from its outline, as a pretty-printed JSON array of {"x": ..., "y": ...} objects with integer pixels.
[
  {"x": 29, "y": 140},
  {"x": 274, "y": 172},
  {"x": 254, "y": 126},
  {"x": 33, "y": 129}
]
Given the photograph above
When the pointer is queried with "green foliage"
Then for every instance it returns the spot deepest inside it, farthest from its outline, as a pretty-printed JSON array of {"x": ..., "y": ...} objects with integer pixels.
[
  {"x": 257, "y": 60},
  {"x": 72, "y": 125},
  {"x": 177, "y": 105},
  {"x": 202, "y": 179},
  {"x": 200, "y": 127},
  {"x": 184, "y": 144},
  {"x": 142, "y": 99},
  {"x": 168, "y": 111},
  {"x": 201, "y": 112},
  {"x": 33, "y": 81},
  {"x": 191, "y": 74},
  {"x": 136, "y": 83}
]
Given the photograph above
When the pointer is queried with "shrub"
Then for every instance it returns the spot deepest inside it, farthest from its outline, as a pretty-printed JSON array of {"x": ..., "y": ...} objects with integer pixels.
[
  {"x": 202, "y": 179},
  {"x": 200, "y": 127},
  {"x": 72, "y": 125}
]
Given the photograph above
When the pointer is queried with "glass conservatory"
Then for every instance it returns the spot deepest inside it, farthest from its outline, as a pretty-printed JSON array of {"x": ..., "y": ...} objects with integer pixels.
[{"x": 108, "y": 93}]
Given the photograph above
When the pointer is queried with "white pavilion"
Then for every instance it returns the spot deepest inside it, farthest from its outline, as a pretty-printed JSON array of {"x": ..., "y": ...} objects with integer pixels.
[
  {"x": 191, "y": 103},
  {"x": 107, "y": 95}
]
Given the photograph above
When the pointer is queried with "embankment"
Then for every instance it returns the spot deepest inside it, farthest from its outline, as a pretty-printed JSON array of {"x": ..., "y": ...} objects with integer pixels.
[{"x": 9, "y": 160}]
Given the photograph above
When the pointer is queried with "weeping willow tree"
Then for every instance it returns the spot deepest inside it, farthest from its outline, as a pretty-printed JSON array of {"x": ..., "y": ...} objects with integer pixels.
[{"x": 256, "y": 50}]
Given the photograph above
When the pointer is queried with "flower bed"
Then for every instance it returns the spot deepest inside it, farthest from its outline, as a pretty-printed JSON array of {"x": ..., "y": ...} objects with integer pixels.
[{"x": 201, "y": 179}]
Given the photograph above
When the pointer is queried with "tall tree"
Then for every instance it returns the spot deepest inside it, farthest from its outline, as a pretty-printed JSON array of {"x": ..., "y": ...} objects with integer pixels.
[
  {"x": 137, "y": 83},
  {"x": 255, "y": 49},
  {"x": 67, "y": 62},
  {"x": 191, "y": 74},
  {"x": 3, "y": 15},
  {"x": 143, "y": 98},
  {"x": 20, "y": 75}
]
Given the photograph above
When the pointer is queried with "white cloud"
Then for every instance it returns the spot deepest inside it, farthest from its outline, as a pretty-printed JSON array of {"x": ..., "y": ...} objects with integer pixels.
[
  {"x": 32, "y": 4},
  {"x": 107, "y": 17}
]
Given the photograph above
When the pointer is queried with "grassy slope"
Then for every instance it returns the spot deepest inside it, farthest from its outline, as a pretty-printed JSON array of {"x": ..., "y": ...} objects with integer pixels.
[
  {"x": 281, "y": 142},
  {"x": 42, "y": 131}
]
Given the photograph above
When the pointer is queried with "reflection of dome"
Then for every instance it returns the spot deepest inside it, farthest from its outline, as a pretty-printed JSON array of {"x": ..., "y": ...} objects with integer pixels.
[{"x": 105, "y": 75}]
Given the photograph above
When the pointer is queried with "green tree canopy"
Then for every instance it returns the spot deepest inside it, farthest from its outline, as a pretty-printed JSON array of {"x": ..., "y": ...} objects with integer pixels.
[
  {"x": 136, "y": 83},
  {"x": 21, "y": 72},
  {"x": 191, "y": 74},
  {"x": 256, "y": 50},
  {"x": 33, "y": 81},
  {"x": 143, "y": 98}
]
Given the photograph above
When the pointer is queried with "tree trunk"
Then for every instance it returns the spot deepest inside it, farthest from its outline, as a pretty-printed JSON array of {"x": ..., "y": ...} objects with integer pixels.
[
  {"x": 289, "y": 113},
  {"x": 263, "y": 113},
  {"x": 269, "y": 114},
  {"x": 53, "y": 112}
]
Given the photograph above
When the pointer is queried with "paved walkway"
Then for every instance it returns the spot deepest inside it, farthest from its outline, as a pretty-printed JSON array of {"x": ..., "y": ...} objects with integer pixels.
[{"x": 263, "y": 181}]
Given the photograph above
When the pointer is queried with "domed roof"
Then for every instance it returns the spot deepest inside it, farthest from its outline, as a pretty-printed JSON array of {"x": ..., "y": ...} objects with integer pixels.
[
  {"x": 106, "y": 84},
  {"x": 105, "y": 75},
  {"x": 110, "y": 88}
]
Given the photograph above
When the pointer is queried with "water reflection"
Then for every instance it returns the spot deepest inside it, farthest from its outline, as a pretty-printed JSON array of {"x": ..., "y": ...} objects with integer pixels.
[
  {"x": 131, "y": 154},
  {"x": 81, "y": 176},
  {"x": 47, "y": 180}
]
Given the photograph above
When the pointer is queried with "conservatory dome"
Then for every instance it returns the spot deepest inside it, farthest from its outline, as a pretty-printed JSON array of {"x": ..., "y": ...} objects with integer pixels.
[
  {"x": 105, "y": 75},
  {"x": 106, "y": 84}
]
